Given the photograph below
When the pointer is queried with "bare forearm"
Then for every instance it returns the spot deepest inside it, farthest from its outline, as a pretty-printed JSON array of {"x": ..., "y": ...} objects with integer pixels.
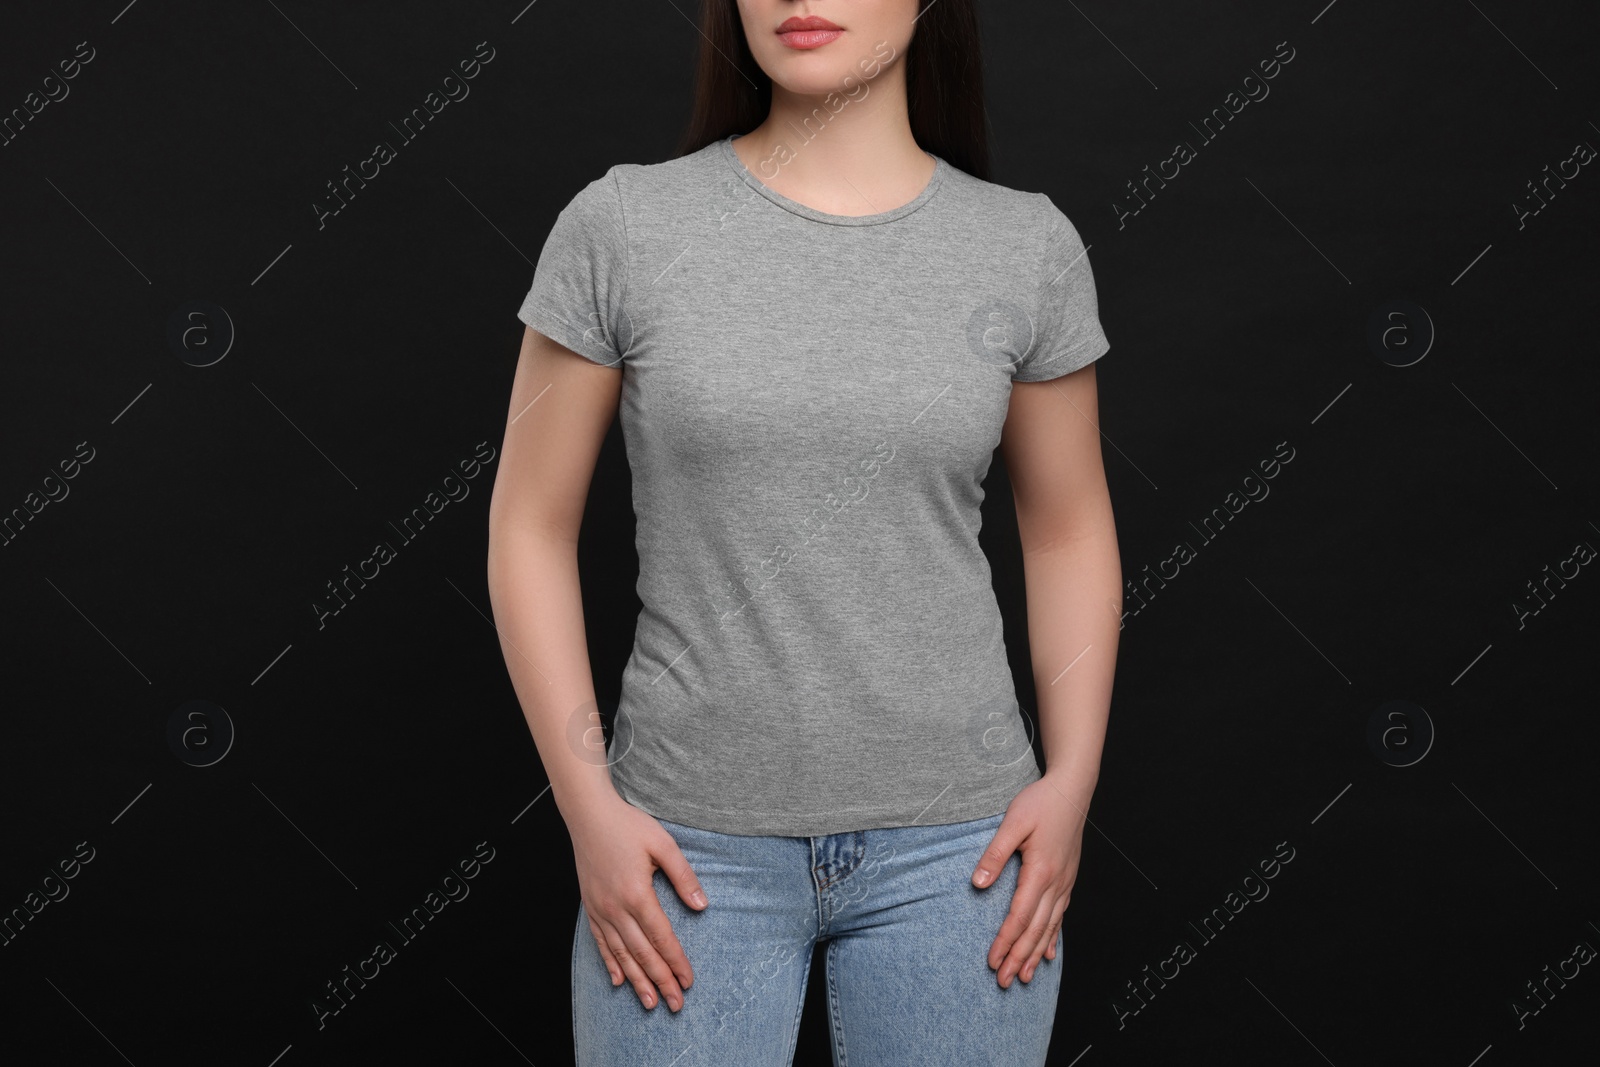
[
  {"x": 1074, "y": 590},
  {"x": 538, "y": 610}
]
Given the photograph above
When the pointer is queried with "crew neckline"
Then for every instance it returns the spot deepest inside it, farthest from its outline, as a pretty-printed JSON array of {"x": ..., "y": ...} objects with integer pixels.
[{"x": 940, "y": 168}]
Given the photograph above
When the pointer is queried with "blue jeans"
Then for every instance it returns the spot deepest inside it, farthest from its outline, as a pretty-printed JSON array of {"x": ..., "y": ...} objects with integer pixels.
[{"x": 907, "y": 938}]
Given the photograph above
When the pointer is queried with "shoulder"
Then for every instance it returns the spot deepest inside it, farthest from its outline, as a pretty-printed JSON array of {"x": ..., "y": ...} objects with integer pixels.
[
  {"x": 627, "y": 192},
  {"x": 1028, "y": 215},
  {"x": 639, "y": 187}
]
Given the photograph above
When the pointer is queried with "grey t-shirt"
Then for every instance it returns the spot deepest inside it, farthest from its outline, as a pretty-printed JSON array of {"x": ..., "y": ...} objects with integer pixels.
[{"x": 810, "y": 403}]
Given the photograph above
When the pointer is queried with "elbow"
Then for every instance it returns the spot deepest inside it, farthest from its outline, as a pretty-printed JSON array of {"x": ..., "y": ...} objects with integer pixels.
[
  {"x": 1067, "y": 534},
  {"x": 1050, "y": 542},
  {"x": 514, "y": 536}
]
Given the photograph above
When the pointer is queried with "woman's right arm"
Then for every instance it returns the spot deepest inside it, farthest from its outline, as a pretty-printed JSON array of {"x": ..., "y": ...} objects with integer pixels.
[{"x": 561, "y": 407}]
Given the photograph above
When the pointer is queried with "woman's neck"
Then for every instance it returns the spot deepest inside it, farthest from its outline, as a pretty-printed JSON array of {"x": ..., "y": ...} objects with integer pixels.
[{"x": 845, "y": 154}]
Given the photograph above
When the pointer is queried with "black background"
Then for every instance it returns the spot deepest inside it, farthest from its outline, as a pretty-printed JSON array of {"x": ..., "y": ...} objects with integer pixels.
[{"x": 375, "y": 351}]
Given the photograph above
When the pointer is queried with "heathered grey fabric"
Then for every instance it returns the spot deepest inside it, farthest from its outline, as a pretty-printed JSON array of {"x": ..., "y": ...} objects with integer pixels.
[{"x": 810, "y": 403}]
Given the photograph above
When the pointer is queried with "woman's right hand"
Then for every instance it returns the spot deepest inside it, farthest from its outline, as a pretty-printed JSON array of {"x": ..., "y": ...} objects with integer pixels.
[{"x": 617, "y": 849}]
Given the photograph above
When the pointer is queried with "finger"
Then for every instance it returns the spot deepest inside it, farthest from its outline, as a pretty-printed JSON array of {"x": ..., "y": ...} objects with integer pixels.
[
  {"x": 1050, "y": 953},
  {"x": 1023, "y": 947},
  {"x": 1047, "y": 936},
  {"x": 642, "y": 985},
  {"x": 1047, "y": 939},
  {"x": 1031, "y": 884},
  {"x": 1057, "y": 933},
  {"x": 1017, "y": 955},
  {"x": 644, "y": 951},
  {"x": 657, "y": 930},
  {"x": 1007, "y": 836},
  {"x": 669, "y": 857},
  {"x": 612, "y": 967}
]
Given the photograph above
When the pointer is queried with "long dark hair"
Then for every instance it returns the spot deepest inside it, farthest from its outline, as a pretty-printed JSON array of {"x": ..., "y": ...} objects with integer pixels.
[{"x": 944, "y": 83}]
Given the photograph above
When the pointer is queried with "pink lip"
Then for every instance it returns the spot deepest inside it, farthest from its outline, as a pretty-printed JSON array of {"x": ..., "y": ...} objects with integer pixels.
[{"x": 809, "y": 38}]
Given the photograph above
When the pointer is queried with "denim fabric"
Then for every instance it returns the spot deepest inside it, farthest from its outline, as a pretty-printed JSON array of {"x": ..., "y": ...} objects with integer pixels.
[{"x": 907, "y": 938}]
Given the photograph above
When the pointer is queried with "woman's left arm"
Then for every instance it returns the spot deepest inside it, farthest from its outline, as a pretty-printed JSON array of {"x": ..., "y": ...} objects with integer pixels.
[{"x": 1073, "y": 578}]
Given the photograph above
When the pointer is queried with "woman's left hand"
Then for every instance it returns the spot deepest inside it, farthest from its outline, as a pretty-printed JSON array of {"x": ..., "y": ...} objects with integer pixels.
[{"x": 1047, "y": 828}]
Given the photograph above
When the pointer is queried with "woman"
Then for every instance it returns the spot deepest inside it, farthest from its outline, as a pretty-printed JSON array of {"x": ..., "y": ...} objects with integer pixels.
[{"x": 819, "y": 322}]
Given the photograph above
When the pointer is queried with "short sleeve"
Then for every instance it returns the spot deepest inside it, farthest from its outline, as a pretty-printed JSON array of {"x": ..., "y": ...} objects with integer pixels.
[
  {"x": 1067, "y": 334},
  {"x": 582, "y": 276}
]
